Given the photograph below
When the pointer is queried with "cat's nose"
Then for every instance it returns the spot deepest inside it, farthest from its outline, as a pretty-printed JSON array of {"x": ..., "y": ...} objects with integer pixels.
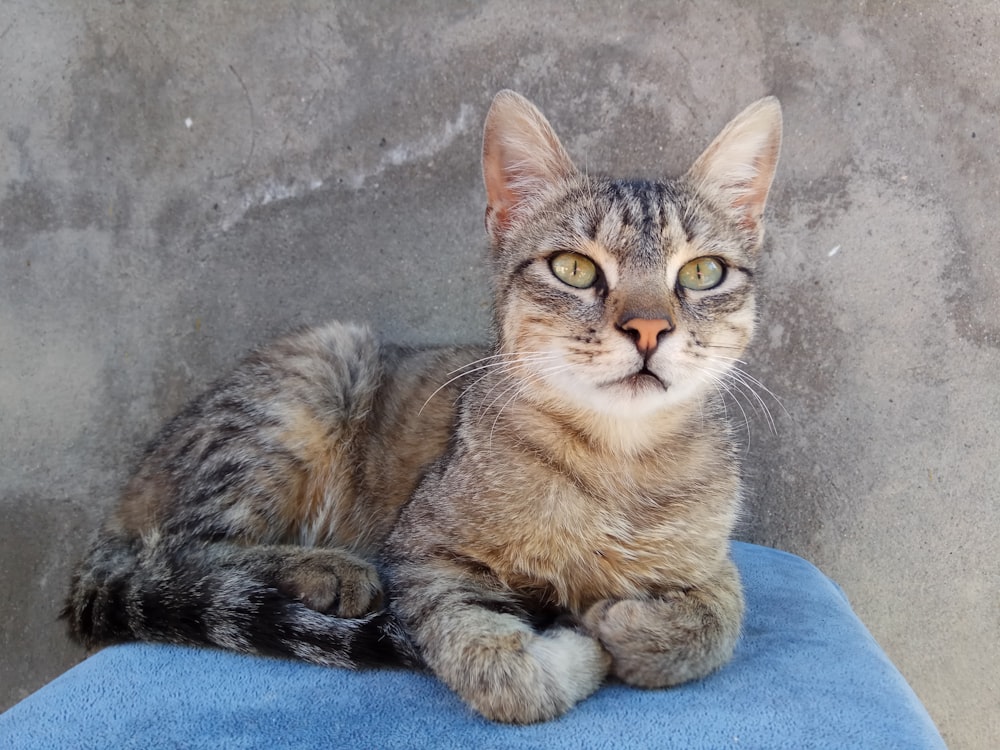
[{"x": 646, "y": 332}]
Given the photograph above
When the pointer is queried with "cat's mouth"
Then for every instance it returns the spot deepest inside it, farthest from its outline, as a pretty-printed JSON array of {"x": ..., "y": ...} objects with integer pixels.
[{"x": 643, "y": 379}]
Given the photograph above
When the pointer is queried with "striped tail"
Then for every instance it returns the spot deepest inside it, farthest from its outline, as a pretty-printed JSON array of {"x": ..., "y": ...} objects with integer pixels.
[{"x": 221, "y": 595}]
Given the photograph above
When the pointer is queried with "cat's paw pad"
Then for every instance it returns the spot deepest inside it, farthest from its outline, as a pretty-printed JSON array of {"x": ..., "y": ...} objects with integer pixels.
[{"x": 334, "y": 582}]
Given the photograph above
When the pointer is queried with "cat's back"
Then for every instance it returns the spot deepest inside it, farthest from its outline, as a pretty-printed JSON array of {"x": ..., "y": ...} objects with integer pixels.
[{"x": 302, "y": 432}]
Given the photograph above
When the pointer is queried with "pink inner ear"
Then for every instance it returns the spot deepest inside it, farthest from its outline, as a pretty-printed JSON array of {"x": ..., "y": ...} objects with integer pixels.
[
  {"x": 749, "y": 201},
  {"x": 522, "y": 158},
  {"x": 739, "y": 164},
  {"x": 515, "y": 176},
  {"x": 754, "y": 197},
  {"x": 499, "y": 195}
]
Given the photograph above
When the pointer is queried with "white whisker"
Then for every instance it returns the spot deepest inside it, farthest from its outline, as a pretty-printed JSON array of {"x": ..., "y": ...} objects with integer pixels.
[
  {"x": 737, "y": 377},
  {"x": 750, "y": 381},
  {"x": 505, "y": 370},
  {"x": 518, "y": 387},
  {"x": 738, "y": 381},
  {"x": 470, "y": 368},
  {"x": 718, "y": 379},
  {"x": 517, "y": 392}
]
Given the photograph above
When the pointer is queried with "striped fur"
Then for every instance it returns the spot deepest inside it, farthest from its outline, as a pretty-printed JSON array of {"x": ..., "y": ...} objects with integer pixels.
[{"x": 542, "y": 514}]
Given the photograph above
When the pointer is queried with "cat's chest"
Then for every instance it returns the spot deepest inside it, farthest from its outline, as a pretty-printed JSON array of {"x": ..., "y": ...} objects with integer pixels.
[{"x": 572, "y": 545}]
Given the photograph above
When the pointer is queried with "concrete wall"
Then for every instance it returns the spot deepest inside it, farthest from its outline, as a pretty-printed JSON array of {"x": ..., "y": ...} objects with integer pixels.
[{"x": 180, "y": 181}]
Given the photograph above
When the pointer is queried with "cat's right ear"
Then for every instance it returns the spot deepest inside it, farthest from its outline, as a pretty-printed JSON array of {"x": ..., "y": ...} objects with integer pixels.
[{"x": 522, "y": 160}]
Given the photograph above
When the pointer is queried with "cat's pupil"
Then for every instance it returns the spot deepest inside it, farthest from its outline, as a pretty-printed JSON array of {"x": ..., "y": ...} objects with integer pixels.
[
  {"x": 701, "y": 274},
  {"x": 574, "y": 269}
]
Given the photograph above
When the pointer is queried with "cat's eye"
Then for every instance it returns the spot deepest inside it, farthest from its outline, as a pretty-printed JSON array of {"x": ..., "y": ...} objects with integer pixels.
[
  {"x": 701, "y": 274},
  {"x": 574, "y": 269}
]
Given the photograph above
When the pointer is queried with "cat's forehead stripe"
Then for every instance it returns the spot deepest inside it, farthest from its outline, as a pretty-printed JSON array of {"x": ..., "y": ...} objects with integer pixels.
[
  {"x": 649, "y": 210},
  {"x": 640, "y": 202}
]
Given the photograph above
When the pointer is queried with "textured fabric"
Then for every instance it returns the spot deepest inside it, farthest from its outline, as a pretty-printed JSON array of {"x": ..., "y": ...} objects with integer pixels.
[{"x": 806, "y": 674}]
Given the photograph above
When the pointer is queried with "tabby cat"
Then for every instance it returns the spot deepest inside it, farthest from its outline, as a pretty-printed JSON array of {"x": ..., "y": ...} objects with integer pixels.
[{"x": 526, "y": 520}]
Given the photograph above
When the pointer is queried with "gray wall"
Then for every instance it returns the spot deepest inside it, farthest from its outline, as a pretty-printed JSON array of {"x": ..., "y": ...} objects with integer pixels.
[{"x": 180, "y": 181}]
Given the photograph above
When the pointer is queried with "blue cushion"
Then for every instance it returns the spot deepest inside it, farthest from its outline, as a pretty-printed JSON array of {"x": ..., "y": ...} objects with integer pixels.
[{"x": 806, "y": 674}]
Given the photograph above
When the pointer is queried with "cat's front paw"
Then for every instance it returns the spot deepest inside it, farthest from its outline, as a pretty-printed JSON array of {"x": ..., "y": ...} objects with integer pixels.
[
  {"x": 530, "y": 678},
  {"x": 334, "y": 582},
  {"x": 669, "y": 640}
]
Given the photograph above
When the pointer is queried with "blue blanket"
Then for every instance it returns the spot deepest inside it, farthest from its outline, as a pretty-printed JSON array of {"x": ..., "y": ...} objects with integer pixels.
[{"x": 806, "y": 674}]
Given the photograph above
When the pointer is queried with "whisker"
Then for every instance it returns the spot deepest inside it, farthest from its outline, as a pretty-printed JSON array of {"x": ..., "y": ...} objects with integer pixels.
[
  {"x": 486, "y": 407},
  {"x": 500, "y": 355},
  {"x": 757, "y": 384},
  {"x": 737, "y": 377},
  {"x": 505, "y": 376},
  {"x": 507, "y": 380},
  {"x": 469, "y": 369},
  {"x": 720, "y": 381},
  {"x": 518, "y": 386},
  {"x": 752, "y": 383},
  {"x": 723, "y": 378}
]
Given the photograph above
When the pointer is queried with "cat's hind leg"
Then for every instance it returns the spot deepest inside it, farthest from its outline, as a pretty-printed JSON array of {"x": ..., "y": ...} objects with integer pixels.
[{"x": 678, "y": 636}]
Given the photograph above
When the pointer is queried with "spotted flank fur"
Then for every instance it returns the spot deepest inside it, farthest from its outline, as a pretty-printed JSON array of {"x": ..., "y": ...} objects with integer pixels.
[{"x": 525, "y": 520}]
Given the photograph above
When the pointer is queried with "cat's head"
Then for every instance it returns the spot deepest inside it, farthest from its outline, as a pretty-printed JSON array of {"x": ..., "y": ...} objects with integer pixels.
[{"x": 624, "y": 297}]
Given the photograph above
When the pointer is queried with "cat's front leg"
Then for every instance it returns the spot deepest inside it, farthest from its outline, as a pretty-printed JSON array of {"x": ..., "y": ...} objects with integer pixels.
[
  {"x": 476, "y": 641},
  {"x": 678, "y": 636}
]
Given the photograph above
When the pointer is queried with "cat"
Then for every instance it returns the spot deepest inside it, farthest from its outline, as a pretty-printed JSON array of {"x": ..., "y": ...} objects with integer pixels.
[{"x": 527, "y": 520}]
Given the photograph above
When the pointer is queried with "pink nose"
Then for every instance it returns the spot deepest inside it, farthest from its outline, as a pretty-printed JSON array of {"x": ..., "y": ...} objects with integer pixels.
[{"x": 646, "y": 332}]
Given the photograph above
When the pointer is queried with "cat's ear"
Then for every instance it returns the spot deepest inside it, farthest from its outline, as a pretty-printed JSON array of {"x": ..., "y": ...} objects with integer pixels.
[
  {"x": 522, "y": 159},
  {"x": 738, "y": 167}
]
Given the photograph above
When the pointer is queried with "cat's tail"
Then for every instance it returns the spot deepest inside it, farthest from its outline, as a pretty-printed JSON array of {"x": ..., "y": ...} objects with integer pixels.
[{"x": 127, "y": 590}]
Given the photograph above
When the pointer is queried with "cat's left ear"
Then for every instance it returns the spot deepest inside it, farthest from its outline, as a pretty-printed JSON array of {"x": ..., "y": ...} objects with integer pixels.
[
  {"x": 522, "y": 160},
  {"x": 737, "y": 169}
]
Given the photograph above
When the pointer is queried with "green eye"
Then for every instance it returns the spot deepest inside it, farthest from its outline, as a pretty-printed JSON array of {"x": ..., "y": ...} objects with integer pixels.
[
  {"x": 574, "y": 269},
  {"x": 701, "y": 274}
]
